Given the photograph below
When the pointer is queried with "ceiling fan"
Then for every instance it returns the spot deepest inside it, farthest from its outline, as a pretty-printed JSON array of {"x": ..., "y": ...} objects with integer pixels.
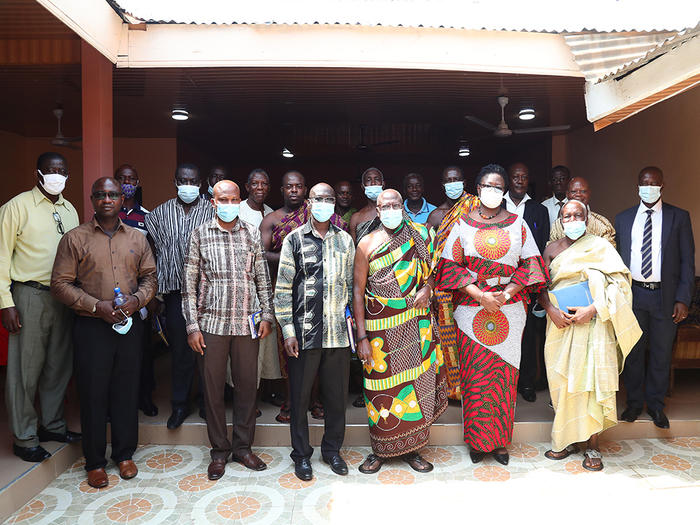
[
  {"x": 367, "y": 148},
  {"x": 502, "y": 130},
  {"x": 59, "y": 139}
]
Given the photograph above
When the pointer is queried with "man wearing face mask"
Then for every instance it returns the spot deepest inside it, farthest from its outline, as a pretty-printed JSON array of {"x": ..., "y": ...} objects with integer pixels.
[
  {"x": 216, "y": 174},
  {"x": 226, "y": 281},
  {"x": 586, "y": 345},
  {"x": 404, "y": 377},
  {"x": 39, "y": 347},
  {"x": 442, "y": 219},
  {"x": 134, "y": 215},
  {"x": 366, "y": 220},
  {"x": 579, "y": 190},
  {"x": 92, "y": 262},
  {"x": 170, "y": 226},
  {"x": 313, "y": 289},
  {"x": 655, "y": 239}
]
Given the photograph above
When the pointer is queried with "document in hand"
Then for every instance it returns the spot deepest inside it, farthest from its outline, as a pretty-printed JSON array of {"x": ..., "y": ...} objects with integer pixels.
[
  {"x": 575, "y": 295},
  {"x": 350, "y": 323},
  {"x": 254, "y": 323}
]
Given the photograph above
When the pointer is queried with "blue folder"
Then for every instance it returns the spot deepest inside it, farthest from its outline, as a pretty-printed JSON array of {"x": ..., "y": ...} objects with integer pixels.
[{"x": 575, "y": 295}]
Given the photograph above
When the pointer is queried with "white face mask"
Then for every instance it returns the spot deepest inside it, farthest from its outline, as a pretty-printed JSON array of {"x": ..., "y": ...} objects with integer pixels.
[
  {"x": 187, "y": 193},
  {"x": 391, "y": 218},
  {"x": 54, "y": 183},
  {"x": 574, "y": 229},
  {"x": 123, "y": 327},
  {"x": 454, "y": 190},
  {"x": 649, "y": 194},
  {"x": 491, "y": 197}
]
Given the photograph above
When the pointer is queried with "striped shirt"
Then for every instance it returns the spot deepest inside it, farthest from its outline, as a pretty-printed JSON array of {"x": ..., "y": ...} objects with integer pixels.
[
  {"x": 226, "y": 278},
  {"x": 314, "y": 285},
  {"x": 170, "y": 228}
]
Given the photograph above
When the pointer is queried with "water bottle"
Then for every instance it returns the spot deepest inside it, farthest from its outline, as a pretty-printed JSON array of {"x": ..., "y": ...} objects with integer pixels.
[{"x": 119, "y": 298}]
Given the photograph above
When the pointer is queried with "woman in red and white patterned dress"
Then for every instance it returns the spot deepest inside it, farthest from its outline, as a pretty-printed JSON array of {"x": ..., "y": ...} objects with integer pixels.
[{"x": 491, "y": 264}]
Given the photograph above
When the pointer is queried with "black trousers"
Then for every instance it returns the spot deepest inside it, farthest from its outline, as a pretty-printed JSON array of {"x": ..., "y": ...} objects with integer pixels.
[
  {"x": 108, "y": 367},
  {"x": 532, "y": 354},
  {"x": 183, "y": 358},
  {"x": 332, "y": 365},
  {"x": 647, "y": 367},
  {"x": 147, "y": 381}
]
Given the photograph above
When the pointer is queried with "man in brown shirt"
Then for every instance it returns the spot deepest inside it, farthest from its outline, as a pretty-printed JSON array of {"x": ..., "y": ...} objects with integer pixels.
[{"x": 93, "y": 260}]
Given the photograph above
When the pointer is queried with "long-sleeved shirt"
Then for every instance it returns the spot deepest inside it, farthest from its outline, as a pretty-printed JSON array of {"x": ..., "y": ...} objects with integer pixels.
[
  {"x": 226, "y": 280},
  {"x": 170, "y": 228},
  {"x": 554, "y": 206},
  {"x": 314, "y": 285},
  {"x": 91, "y": 263},
  {"x": 29, "y": 237}
]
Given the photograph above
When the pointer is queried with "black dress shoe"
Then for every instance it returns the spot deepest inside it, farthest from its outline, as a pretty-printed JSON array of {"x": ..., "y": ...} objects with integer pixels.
[
  {"x": 32, "y": 454},
  {"x": 476, "y": 455},
  {"x": 177, "y": 417},
  {"x": 528, "y": 394},
  {"x": 147, "y": 406},
  {"x": 359, "y": 401},
  {"x": 68, "y": 437},
  {"x": 630, "y": 414},
  {"x": 502, "y": 458},
  {"x": 337, "y": 465},
  {"x": 303, "y": 470},
  {"x": 658, "y": 417}
]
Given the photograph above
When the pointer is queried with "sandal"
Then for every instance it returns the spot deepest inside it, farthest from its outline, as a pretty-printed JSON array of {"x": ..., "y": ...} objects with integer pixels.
[
  {"x": 562, "y": 454},
  {"x": 284, "y": 416},
  {"x": 371, "y": 465},
  {"x": 317, "y": 410},
  {"x": 589, "y": 455},
  {"x": 417, "y": 463}
]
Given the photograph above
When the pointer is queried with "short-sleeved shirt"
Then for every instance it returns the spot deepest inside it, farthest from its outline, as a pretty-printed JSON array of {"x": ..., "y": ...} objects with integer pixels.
[
  {"x": 421, "y": 216},
  {"x": 135, "y": 217}
]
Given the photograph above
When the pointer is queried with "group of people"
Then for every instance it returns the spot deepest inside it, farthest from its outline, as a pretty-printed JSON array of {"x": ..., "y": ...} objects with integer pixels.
[{"x": 461, "y": 300}]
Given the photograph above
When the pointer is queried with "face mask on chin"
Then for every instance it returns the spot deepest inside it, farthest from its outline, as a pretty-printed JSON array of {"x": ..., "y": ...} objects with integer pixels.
[
  {"x": 649, "y": 194},
  {"x": 187, "y": 193},
  {"x": 53, "y": 183},
  {"x": 574, "y": 229}
]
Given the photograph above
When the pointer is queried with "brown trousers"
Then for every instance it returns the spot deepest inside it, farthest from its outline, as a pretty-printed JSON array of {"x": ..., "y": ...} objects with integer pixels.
[{"x": 243, "y": 351}]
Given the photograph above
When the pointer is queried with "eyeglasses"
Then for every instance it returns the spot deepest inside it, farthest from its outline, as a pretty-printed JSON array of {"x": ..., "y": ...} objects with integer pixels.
[
  {"x": 387, "y": 207},
  {"x": 101, "y": 195},
  {"x": 489, "y": 186},
  {"x": 327, "y": 200},
  {"x": 59, "y": 224}
]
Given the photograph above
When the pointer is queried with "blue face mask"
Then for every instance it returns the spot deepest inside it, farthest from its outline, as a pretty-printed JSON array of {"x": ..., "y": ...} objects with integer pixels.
[
  {"x": 129, "y": 190},
  {"x": 574, "y": 229},
  {"x": 650, "y": 194},
  {"x": 454, "y": 190},
  {"x": 372, "y": 192},
  {"x": 322, "y": 211},
  {"x": 187, "y": 193},
  {"x": 211, "y": 190},
  {"x": 227, "y": 212},
  {"x": 123, "y": 327},
  {"x": 391, "y": 218}
]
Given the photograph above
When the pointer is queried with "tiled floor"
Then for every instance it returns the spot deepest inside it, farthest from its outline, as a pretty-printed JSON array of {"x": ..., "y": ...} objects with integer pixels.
[{"x": 643, "y": 480}]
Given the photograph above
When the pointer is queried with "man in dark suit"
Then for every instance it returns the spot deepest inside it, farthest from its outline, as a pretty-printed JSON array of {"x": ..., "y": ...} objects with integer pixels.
[
  {"x": 655, "y": 241},
  {"x": 537, "y": 218}
]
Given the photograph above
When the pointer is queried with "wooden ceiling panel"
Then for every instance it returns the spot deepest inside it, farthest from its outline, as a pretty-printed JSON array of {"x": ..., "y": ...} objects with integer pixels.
[{"x": 27, "y": 19}]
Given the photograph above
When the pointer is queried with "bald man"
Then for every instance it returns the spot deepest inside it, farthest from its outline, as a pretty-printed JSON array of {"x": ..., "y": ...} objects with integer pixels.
[
  {"x": 314, "y": 287},
  {"x": 225, "y": 271},
  {"x": 579, "y": 190}
]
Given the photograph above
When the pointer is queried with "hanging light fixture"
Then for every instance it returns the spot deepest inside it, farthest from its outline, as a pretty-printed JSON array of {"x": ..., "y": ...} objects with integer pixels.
[
  {"x": 179, "y": 114},
  {"x": 463, "y": 151},
  {"x": 287, "y": 154},
  {"x": 526, "y": 114}
]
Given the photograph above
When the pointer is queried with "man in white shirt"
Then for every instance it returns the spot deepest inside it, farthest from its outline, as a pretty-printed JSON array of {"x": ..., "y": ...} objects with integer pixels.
[
  {"x": 655, "y": 240},
  {"x": 253, "y": 210},
  {"x": 559, "y": 179}
]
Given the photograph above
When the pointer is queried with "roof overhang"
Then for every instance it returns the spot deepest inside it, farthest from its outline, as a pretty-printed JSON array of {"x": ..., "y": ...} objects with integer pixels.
[{"x": 631, "y": 91}]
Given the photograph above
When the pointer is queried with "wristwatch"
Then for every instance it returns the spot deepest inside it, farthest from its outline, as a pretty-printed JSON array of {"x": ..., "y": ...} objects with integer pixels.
[
  {"x": 507, "y": 296},
  {"x": 94, "y": 308}
]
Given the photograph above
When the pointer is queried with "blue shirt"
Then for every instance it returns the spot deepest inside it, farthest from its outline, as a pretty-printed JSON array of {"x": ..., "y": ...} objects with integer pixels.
[{"x": 422, "y": 215}]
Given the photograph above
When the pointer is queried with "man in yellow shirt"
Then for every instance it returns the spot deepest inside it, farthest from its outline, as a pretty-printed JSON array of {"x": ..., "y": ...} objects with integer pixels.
[{"x": 40, "y": 353}]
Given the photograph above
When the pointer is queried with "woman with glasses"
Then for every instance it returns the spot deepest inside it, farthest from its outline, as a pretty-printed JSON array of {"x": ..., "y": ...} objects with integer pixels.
[{"x": 491, "y": 265}]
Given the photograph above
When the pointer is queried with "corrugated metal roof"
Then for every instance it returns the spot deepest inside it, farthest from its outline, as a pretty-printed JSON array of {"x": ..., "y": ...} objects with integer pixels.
[{"x": 510, "y": 15}]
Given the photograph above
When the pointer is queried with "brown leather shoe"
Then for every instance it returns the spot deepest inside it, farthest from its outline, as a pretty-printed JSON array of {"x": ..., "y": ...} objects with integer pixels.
[
  {"x": 250, "y": 461},
  {"x": 127, "y": 469},
  {"x": 216, "y": 469},
  {"x": 97, "y": 478}
]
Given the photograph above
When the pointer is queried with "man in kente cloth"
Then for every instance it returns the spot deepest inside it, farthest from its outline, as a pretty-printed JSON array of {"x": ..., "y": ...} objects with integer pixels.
[
  {"x": 586, "y": 346},
  {"x": 404, "y": 377},
  {"x": 273, "y": 229},
  {"x": 366, "y": 220},
  {"x": 458, "y": 203}
]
